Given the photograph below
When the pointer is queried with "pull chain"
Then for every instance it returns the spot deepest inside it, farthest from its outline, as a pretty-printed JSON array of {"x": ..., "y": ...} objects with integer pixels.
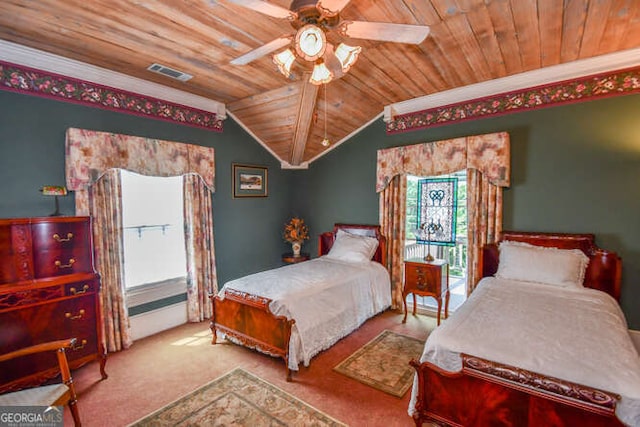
[{"x": 325, "y": 141}]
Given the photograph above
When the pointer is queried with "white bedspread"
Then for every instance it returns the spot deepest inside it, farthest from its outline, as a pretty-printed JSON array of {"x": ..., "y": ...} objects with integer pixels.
[
  {"x": 576, "y": 334},
  {"x": 327, "y": 298}
]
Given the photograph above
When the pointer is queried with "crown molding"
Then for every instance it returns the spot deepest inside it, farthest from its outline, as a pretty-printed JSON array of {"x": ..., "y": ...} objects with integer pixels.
[
  {"x": 48, "y": 62},
  {"x": 530, "y": 79}
]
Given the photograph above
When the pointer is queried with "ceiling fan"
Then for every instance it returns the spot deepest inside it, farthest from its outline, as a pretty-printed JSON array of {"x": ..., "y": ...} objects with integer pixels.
[{"x": 312, "y": 19}]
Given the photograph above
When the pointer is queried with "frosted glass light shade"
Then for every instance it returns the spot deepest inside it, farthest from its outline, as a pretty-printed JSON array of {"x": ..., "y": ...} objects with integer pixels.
[
  {"x": 310, "y": 42},
  {"x": 284, "y": 60},
  {"x": 347, "y": 55},
  {"x": 320, "y": 74}
]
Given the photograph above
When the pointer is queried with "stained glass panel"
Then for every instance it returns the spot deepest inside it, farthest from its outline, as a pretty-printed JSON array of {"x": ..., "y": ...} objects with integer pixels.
[{"x": 437, "y": 201}]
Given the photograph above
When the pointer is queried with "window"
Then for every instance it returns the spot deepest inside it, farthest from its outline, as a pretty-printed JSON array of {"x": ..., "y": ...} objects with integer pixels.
[
  {"x": 436, "y": 220},
  {"x": 437, "y": 208},
  {"x": 152, "y": 215}
]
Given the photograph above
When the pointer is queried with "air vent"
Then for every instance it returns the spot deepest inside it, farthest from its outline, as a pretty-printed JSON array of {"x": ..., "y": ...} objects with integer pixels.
[{"x": 169, "y": 72}]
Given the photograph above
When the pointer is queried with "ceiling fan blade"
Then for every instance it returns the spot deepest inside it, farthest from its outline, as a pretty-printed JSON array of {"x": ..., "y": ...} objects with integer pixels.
[
  {"x": 266, "y": 8},
  {"x": 331, "y": 7},
  {"x": 383, "y": 31},
  {"x": 262, "y": 51}
]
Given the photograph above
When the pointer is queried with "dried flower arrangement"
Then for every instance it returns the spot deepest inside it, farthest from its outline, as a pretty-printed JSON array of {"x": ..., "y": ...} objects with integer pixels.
[{"x": 296, "y": 230}]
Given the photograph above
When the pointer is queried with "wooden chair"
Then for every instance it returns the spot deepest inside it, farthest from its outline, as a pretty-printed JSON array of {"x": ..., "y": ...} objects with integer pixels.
[{"x": 47, "y": 395}]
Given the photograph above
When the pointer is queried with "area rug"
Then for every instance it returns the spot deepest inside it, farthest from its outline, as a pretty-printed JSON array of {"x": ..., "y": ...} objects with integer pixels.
[
  {"x": 383, "y": 362},
  {"x": 241, "y": 399}
]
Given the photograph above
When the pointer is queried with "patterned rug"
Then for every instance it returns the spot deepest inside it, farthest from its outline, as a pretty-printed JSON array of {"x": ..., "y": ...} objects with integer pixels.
[
  {"x": 241, "y": 399},
  {"x": 383, "y": 362}
]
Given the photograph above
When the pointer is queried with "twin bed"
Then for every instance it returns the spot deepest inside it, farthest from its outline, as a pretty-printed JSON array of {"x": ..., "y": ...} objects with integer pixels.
[
  {"x": 296, "y": 311},
  {"x": 541, "y": 341}
]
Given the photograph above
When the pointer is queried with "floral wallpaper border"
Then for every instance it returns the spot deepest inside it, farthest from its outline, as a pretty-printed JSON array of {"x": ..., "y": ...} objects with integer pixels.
[
  {"x": 621, "y": 82},
  {"x": 22, "y": 79}
]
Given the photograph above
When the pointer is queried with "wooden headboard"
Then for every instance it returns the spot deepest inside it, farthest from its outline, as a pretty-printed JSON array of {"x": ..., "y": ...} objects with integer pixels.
[
  {"x": 326, "y": 239},
  {"x": 604, "y": 271}
]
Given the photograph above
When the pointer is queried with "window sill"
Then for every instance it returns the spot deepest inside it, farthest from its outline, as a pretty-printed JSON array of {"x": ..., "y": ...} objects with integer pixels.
[{"x": 150, "y": 292}]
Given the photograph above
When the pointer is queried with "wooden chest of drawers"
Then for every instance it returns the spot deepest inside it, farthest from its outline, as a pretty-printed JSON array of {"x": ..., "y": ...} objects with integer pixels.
[
  {"x": 48, "y": 291},
  {"x": 426, "y": 279}
]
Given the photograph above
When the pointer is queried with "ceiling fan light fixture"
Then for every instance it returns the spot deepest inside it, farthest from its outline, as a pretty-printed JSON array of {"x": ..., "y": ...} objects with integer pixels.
[
  {"x": 284, "y": 60},
  {"x": 310, "y": 42},
  {"x": 347, "y": 55},
  {"x": 320, "y": 74}
]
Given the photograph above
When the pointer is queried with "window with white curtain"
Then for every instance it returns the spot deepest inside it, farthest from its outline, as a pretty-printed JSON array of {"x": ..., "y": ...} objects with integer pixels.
[{"x": 152, "y": 215}]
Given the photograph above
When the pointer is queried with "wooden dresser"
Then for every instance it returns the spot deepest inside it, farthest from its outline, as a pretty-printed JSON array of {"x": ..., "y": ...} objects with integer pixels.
[
  {"x": 48, "y": 291},
  {"x": 426, "y": 278}
]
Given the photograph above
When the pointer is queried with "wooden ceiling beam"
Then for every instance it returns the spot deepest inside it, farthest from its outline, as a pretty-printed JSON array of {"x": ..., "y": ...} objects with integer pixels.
[{"x": 307, "y": 105}]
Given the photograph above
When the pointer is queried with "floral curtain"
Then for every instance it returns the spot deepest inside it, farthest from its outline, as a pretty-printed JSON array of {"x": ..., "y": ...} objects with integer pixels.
[
  {"x": 106, "y": 202},
  {"x": 487, "y": 160},
  {"x": 201, "y": 272},
  {"x": 393, "y": 205},
  {"x": 484, "y": 221},
  {"x": 91, "y": 155}
]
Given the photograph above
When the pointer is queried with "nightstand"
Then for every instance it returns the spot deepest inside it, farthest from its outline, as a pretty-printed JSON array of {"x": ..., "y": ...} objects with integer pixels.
[
  {"x": 290, "y": 259},
  {"x": 427, "y": 279}
]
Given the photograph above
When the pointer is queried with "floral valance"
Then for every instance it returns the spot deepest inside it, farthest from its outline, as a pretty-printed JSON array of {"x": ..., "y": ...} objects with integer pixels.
[
  {"x": 489, "y": 153},
  {"x": 89, "y": 154}
]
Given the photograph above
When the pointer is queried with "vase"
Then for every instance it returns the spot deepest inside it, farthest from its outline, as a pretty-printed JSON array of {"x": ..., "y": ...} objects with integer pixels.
[{"x": 295, "y": 247}]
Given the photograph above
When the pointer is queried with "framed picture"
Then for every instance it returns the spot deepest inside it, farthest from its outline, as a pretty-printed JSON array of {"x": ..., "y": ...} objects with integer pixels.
[{"x": 249, "y": 181}]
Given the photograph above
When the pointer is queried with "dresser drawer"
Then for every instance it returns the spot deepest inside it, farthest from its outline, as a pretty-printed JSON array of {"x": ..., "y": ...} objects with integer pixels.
[
  {"x": 80, "y": 321},
  {"x": 58, "y": 262},
  {"x": 82, "y": 288},
  {"x": 422, "y": 278},
  {"x": 60, "y": 235}
]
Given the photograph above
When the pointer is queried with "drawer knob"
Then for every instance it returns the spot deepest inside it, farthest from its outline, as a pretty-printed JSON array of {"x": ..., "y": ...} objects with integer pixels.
[
  {"x": 76, "y": 317},
  {"x": 80, "y": 346},
  {"x": 74, "y": 291},
  {"x": 59, "y": 239},
  {"x": 60, "y": 265}
]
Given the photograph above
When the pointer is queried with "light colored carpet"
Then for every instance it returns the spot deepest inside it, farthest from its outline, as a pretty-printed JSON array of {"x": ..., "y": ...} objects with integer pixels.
[
  {"x": 241, "y": 399},
  {"x": 383, "y": 363}
]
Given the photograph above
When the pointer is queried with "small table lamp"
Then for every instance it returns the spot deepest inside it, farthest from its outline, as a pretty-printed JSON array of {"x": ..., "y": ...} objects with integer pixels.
[
  {"x": 54, "y": 190},
  {"x": 431, "y": 228}
]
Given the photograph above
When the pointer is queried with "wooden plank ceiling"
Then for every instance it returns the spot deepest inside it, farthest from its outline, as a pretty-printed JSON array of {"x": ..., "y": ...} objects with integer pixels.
[{"x": 471, "y": 41}]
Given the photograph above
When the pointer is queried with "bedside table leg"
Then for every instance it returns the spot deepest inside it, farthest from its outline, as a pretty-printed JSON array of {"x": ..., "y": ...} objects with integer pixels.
[
  {"x": 439, "y": 309},
  {"x": 446, "y": 305},
  {"x": 414, "y": 304},
  {"x": 404, "y": 300}
]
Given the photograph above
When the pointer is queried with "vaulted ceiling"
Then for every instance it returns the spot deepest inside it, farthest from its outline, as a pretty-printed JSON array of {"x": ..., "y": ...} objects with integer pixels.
[{"x": 470, "y": 41}]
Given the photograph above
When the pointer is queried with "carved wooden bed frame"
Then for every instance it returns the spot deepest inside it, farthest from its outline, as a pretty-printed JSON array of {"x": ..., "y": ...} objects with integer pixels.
[
  {"x": 484, "y": 392},
  {"x": 246, "y": 318}
]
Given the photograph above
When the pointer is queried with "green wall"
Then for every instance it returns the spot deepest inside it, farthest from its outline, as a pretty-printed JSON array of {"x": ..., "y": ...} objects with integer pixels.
[
  {"x": 32, "y": 137},
  {"x": 575, "y": 168}
]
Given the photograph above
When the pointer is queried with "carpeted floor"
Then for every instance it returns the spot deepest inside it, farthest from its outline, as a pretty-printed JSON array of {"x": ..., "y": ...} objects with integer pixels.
[
  {"x": 238, "y": 398},
  {"x": 383, "y": 362},
  {"x": 162, "y": 368}
]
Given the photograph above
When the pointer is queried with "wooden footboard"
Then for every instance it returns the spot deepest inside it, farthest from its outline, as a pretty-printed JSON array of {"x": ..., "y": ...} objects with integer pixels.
[
  {"x": 488, "y": 393},
  {"x": 247, "y": 319}
]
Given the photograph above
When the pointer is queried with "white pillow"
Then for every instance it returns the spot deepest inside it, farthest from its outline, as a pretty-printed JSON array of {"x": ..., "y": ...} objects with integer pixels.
[
  {"x": 552, "y": 266},
  {"x": 352, "y": 248}
]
